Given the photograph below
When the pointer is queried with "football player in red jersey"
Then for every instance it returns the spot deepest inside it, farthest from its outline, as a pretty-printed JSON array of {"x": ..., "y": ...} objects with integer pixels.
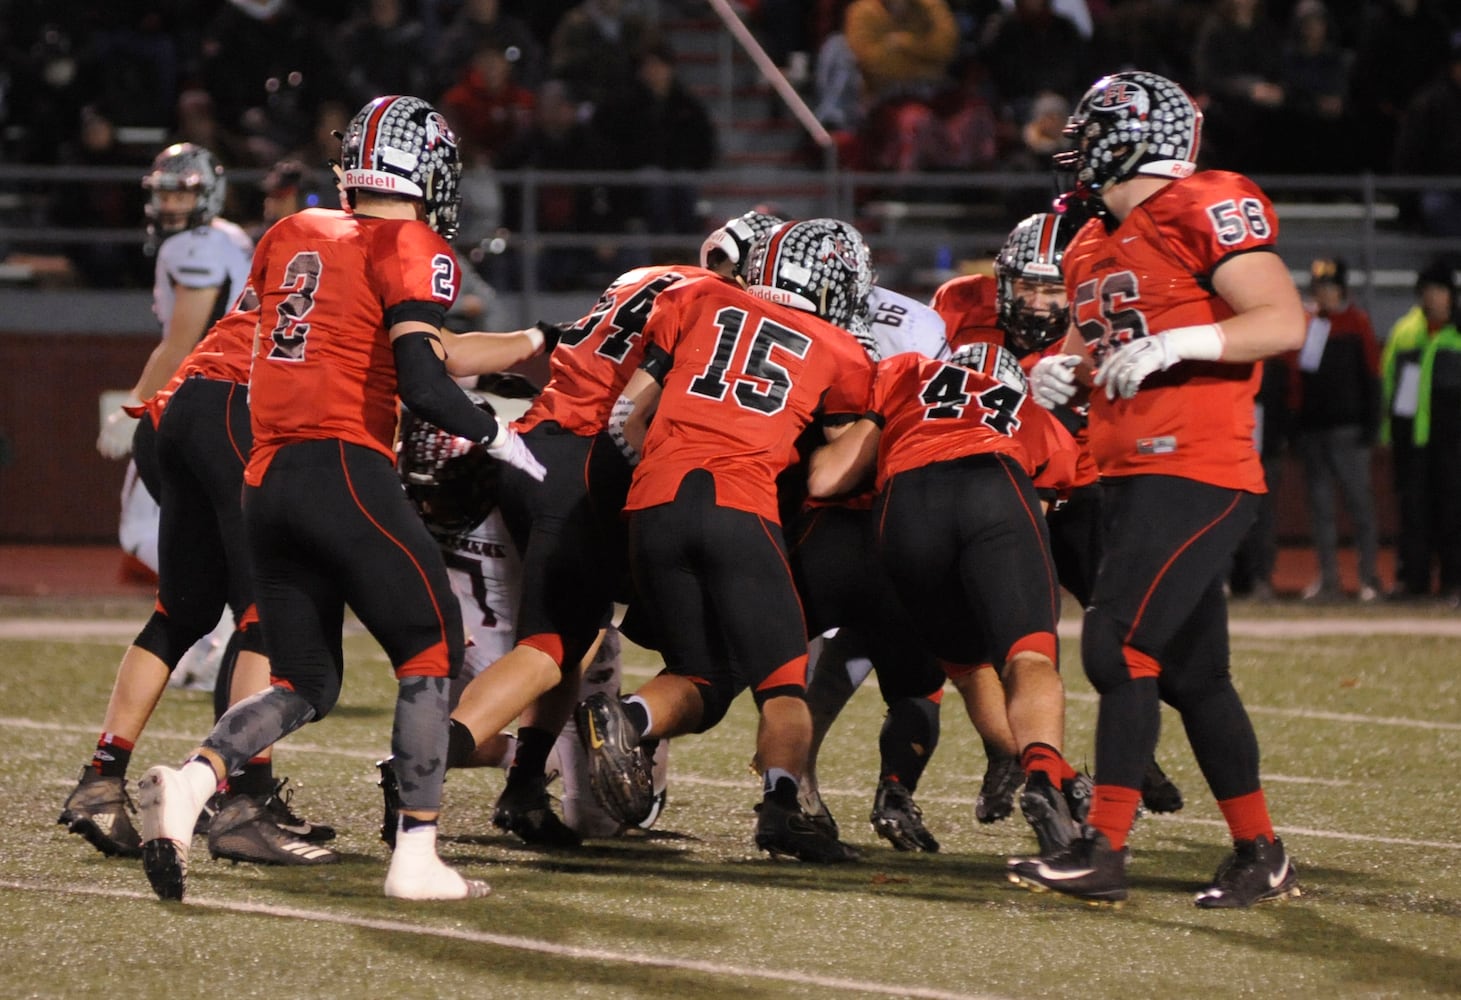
[
  {"x": 731, "y": 378},
  {"x": 1023, "y": 308},
  {"x": 1177, "y": 294},
  {"x": 352, "y": 305},
  {"x": 570, "y": 535},
  {"x": 201, "y": 440},
  {"x": 954, "y": 444}
]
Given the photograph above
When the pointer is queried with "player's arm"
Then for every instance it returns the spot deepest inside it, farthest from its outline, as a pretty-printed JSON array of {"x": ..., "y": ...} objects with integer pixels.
[
  {"x": 192, "y": 309},
  {"x": 633, "y": 411},
  {"x": 846, "y": 461},
  {"x": 480, "y": 353},
  {"x": 424, "y": 385}
]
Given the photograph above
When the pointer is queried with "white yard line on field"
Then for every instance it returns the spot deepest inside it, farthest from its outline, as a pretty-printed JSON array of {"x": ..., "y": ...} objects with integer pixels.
[{"x": 515, "y": 943}]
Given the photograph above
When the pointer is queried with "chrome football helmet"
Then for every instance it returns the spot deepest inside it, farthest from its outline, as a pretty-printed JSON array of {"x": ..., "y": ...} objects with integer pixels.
[
  {"x": 735, "y": 239},
  {"x": 451, "y": 481},
  {"x": 183, "y": 166},
  {"x": 1033, "y": 252},
  {"x": 402, "y": 145},
  {"x": 820, "y": 266},
  {"x": 1131, "y": 123}
]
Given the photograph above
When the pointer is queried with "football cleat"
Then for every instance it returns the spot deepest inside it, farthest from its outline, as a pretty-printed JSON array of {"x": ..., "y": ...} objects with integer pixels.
[
  {"x": 244, "y": 830},
  {"x": 1158, "y": 793},
  {"x": 169, "y": 811},
  {"x": 1003, "y": 777},
  {"x": 897, "y": 819},
  {"x": 277, "y": 805},
  {"x": 619, "y": 773},
  {"x": 1086, "y": 868},
  {"x": 1048, "y": 813},
  {"x": 1258, "y": 870},
  {"x": 100, "y": 810},
  {"x": 390, "y": 791},
  {"x": 790, "y": 833},
  {"x": 526, "y": 809},
  {"x": 1078, "y": 792},
  {"x": 417, "y": 873}
]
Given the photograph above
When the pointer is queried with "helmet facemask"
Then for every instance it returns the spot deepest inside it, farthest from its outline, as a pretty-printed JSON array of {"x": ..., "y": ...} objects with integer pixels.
[{"x": 185, "y": 167}]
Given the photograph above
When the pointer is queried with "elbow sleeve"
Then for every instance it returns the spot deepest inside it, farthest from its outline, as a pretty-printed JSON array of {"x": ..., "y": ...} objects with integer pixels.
[{"x": 429, "y": 392}]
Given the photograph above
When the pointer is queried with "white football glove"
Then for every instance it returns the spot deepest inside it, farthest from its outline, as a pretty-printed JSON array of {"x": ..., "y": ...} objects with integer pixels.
[
  {"x": 117, "y": 428},
  {"x": 1126, "y": 368},
  {"x": 508, "y": 446},
  {"x": 618, "y": 417},
  {"x": 1052, "y": 380}
]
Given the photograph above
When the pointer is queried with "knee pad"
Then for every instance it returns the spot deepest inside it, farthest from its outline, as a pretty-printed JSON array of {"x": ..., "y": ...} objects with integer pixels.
[
  {"x": 167, "y": 638},
  {"x": 715, "y": 701},
  {"x": 1103, "y": 654}
]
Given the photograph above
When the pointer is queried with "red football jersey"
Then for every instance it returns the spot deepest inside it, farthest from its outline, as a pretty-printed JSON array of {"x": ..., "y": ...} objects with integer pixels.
[
  {"x": 933, "y": 411},
  {"x": 1152, "y": 274},
  {"x": 969, "y": 306},
  {"x": 598, "y": 354},
  {"x": 322, "y": 364},
  {"x": 747, "y": 376},
  {"x": 224, "y": 353}
]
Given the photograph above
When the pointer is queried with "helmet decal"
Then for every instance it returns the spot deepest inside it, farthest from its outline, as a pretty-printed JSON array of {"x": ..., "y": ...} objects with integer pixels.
[
  {"x": 404, "y": 146},
  {"x": 821, "y": 266}
]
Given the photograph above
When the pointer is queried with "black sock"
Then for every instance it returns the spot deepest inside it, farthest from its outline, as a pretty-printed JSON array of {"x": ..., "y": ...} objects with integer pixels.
[
  {"x": 533, "y": 747},
  {"x": 910, "y": 733},
  {"x": 460, "y": 745},
  {"x": 783, "y": 790},
  {"x": 110, "y": 759},
  {"x": 256, "y": 779},
  {"x": 638, "y": 717},
  {"x": 409, "y": 823}
]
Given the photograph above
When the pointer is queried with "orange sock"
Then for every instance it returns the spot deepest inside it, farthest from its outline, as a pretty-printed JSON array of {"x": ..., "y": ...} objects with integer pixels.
[
  {"x": 1113, "y": 810},
  {"x": 1247, "y": 816},
  {"x": 1044, "y": 758}
]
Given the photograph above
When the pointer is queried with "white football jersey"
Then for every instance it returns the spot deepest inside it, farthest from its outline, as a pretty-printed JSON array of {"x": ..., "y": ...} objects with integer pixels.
[
  {"x": 217, "y": 255},
  {"x": 901, "y": 324},
  {"x": 486, "y": 575}
]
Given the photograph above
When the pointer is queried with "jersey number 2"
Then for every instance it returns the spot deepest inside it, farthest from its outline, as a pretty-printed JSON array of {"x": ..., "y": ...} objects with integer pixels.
[{"x": 289, "y": 334}]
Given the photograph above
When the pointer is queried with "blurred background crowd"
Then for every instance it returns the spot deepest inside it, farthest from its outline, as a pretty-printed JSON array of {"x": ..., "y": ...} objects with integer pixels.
[{"x": 905, "y": 86}]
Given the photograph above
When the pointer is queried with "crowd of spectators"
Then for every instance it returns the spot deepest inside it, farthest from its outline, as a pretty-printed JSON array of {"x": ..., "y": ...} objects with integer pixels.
[{"x": 1292, "y": 86}]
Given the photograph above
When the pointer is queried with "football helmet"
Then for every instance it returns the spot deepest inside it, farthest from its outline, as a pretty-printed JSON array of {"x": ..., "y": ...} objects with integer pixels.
[
  {"x": 402, "y": 145},
  {"x": 451, "y": 481},
  {"x": 994, "y": 361},
  {"x": 1033, "y": 252},
  {"x": 820, "y": 266},
  {"x": 736, "y": 237},
  {"x": 1131, "y": 123},
  {"x": 183, "y": 166}
]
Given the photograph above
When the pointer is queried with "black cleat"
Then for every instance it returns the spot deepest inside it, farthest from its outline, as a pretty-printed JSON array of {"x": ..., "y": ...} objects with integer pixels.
[
  {"x": 1158, "y": 793},
  {"x": 897, "y": 819},
  {"x": 791, "y": 833},
  {"x": 526, "y": 809},
  {"x": 277, "y": 805},
  {"x": 100, "y": 810},
  {"x": 1258, "y": 870},
  {"x": 166, "y": 868},
  {"x": 210, "y": 809},
  {"x": 244, "y": 830},
  {"x": 1003, "y": 777},
  {"x": 1087, "y": 869},
  {"x": 390, "y": 792},
  {"x": 619, "y": 773},
  {"x": 1048, "y": 813}
]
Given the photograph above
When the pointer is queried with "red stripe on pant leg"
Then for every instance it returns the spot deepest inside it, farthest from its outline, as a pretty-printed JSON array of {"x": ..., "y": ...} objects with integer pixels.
[
  {"x": 1156, "y": 580},
  {"x": 547, "y": 643},
  {"x": 792, "y": 673},
  {"x": 1042, "y": 643},
  {"x": 1139, "y": 664},
  {"x": 953, "y": 671},
  {"x": 433, "y": 661}
]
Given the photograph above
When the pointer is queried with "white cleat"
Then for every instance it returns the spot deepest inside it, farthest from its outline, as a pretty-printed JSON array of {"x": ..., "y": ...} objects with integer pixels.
[
  {"x": 169, "y": 802},
  {"x": 417, "y": 872}
]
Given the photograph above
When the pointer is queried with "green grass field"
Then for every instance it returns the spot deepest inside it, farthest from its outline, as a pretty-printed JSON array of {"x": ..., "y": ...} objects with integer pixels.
[{"x": 1359, "y": 718}]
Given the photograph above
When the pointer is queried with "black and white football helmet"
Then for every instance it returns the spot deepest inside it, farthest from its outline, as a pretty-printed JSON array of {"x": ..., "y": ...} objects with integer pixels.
[
  {"x": 451, "y": 481},
  {"x": 402, "y": 145},
  {"x": 994, "y": 361},
  {"x": 183, "y": 166},
  {"x": 1131, "y": 123},
  {"x": 733, "y": 241},
  {"x": 1033, "y": 251},
  {"x": 820, "y": 266}
]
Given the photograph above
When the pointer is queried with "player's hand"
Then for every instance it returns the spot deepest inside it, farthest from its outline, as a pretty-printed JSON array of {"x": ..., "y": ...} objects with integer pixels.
[
  {"x": 115, "y": 439},
  {"x": 508, "y": 446},
  {"x": 1052, "y": 380},
  {"x": 1128, "y": 366}
]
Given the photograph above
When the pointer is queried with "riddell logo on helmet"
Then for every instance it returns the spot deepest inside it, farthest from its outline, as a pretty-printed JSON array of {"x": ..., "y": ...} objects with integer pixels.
[
  {"x": 1121, "y": 94},
  {"x": 375, "y": 179}
]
